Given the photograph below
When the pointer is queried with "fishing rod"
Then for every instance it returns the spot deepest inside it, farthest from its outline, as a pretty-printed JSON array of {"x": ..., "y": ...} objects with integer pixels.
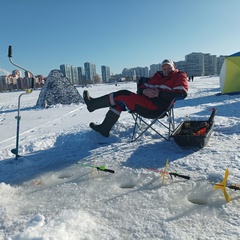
[
  {"x": 222, "y": 185},
  {"x": 28, "y": 91},
  {"x": 99, "y": 168},
  {"x": 171, "y": 174}
]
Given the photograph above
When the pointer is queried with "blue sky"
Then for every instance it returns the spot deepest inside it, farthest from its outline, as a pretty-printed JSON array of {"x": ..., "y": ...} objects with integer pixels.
[{"x": 115, "y": 33}]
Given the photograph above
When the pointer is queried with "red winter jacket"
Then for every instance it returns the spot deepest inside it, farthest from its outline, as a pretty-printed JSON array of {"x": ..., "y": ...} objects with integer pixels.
[{"x": 175, "y": 85}]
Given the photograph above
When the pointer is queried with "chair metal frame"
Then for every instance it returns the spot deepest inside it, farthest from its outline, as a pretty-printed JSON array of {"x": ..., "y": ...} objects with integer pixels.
[{"x": 139, "y": 121}]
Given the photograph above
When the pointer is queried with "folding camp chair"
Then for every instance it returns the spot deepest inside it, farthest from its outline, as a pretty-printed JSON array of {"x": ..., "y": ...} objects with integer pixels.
[{"x": 141, "y": 124}]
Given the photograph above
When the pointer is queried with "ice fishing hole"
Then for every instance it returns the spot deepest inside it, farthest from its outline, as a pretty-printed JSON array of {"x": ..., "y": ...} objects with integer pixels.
[
  {"x": 64, "y": 175},
  {"x": 200, "y": 200}
]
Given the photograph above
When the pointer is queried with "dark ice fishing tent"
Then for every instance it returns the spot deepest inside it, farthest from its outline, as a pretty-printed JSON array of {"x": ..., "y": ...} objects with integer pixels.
[
  {"x": 58, "y": 90},
  {"x": 230, "y": 74}
]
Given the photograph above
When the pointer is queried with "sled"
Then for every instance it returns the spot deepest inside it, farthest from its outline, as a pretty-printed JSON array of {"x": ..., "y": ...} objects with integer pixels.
[{"x": 194, "y": 133}]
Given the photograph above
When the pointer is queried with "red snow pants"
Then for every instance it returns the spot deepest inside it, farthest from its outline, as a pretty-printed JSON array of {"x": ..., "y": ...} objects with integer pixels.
[{"x": 126, "y": 100}]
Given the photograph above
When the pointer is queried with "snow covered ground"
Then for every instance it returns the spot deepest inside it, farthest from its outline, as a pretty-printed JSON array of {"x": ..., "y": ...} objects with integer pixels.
[{"x": 45, "y": 195}]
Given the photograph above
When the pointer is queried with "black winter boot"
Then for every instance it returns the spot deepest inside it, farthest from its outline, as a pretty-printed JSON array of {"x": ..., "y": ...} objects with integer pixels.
[
  {"x": 107, "y": 124},
  {"x": 95, "y": 103}
]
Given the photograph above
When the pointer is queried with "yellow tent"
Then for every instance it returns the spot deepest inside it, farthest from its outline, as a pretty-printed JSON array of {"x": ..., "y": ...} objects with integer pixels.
[{"x": 230, "y": 74}]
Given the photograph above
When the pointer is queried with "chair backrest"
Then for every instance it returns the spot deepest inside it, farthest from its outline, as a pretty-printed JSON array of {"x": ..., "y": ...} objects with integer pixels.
[{"x": 140, "y": 81}]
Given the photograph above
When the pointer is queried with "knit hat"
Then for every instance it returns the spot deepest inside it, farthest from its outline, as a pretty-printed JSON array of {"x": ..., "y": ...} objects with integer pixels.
[{"x": 168, "y": 62}]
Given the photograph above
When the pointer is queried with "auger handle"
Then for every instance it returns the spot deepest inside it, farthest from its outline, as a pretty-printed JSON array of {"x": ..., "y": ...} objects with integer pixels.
[
  {"x": 10, "y": 59},
  {"x": 179, "y": 175},
  {"x": 10, "y": 51}
]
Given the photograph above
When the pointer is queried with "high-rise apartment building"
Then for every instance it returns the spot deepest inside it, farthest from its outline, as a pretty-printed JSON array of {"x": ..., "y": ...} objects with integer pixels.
[
  {"x": 195, "y": 64},
  {"x": 81, "y": 75},
  {"x": 199, "y": 64},
  {"x": 66, "y": 70},
  {"x": 142, "y": 71},
  {"x": 181, "y": 65},
  {"x": 126, "y": 73},
  {"x": 105, "y": 74},
  {"x": 90, "y": 72},
  {"x": 74, "y": 74},
  {"x": 210, "y": 64},
  {"x": 134, "y": 73},
  {"x": 220, "y": 61},
  {"x": 70, "y": 72},
  {"x": 154, "y": 68}
]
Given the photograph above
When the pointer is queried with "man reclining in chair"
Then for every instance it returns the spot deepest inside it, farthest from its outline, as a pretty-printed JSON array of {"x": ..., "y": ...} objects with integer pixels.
[{"x": 152, "y": 99}]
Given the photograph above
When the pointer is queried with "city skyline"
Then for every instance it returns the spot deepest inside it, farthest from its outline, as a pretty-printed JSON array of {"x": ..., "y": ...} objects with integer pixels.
[
  {"x": 195, "y": 64},
  {"x": 177, "y": 63},
  {"x": 118, "y": 34}
]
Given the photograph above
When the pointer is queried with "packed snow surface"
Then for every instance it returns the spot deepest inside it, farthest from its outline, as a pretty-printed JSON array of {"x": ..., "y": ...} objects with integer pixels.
[{"x": 45, "y": 195}]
